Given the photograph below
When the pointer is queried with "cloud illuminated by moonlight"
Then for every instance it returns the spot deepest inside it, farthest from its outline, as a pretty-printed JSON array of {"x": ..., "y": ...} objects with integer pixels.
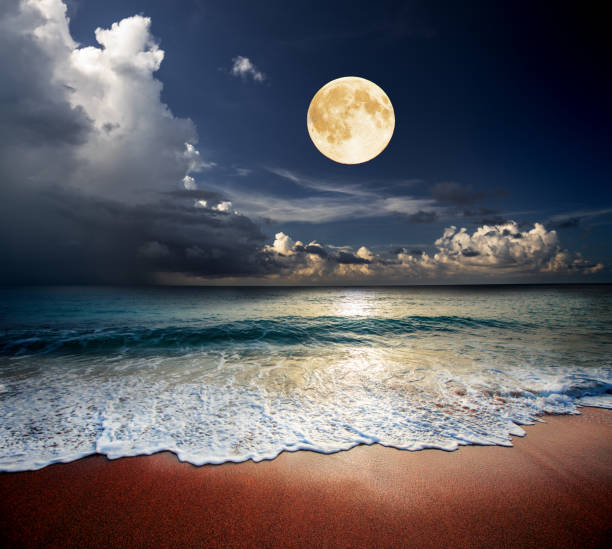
[{"x": 489, "y": 251}]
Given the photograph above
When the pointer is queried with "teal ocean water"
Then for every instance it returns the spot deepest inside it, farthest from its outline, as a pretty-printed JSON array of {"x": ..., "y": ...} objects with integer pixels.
[{"x": 230, "y": 374}]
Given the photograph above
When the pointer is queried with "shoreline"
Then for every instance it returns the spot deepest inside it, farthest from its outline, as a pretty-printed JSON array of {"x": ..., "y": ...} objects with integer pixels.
[{"x": 553, "y": 488}]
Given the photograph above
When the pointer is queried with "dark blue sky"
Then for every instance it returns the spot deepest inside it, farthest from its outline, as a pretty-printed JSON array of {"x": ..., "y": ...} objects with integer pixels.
[
  {"x": 507, "y": 98},
  {"x": 502, "y": 113}
]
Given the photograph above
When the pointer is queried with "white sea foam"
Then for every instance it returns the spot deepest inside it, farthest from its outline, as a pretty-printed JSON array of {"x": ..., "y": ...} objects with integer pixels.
[
  {"x": 240, "y": 410},
  {"x": 596, "y": 401}
]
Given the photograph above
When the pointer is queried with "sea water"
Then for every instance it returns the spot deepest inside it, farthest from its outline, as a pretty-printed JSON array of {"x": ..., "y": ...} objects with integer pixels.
[{"x": 230, "y": 374}]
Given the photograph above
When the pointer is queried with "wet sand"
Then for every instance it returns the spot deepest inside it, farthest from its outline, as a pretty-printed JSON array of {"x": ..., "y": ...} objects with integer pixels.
[{"x": 552, "y": 489}]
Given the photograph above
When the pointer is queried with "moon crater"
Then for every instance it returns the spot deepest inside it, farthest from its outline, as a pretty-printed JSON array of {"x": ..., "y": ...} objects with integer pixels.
[{"x": 350, "y": 120}]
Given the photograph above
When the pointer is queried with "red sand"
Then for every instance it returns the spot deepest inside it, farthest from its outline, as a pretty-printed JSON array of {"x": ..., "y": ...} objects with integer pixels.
[{"x": 553, "y": 489}]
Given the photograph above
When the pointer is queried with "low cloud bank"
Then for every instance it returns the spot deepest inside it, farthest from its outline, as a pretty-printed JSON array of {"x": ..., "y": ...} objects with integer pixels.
[{"x": 490, "y": 251}]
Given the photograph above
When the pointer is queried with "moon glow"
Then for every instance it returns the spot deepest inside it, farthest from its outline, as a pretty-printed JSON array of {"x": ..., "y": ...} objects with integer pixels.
[{"x": 350, "y": 120}]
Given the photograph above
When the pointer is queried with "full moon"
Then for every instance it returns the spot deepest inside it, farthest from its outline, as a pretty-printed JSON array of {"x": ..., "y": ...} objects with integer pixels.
[{"x": 350, "y": 120}]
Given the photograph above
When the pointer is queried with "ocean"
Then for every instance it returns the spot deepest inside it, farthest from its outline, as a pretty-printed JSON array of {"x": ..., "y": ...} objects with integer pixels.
[{"x": 231, "y": 374}]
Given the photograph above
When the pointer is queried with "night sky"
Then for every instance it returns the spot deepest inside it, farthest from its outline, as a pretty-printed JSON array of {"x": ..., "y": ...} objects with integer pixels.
[{"x": 120, "y": 164}]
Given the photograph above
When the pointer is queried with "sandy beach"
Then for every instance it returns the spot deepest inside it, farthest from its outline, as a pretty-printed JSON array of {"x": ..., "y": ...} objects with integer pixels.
[{"x": 552, "y": 489}]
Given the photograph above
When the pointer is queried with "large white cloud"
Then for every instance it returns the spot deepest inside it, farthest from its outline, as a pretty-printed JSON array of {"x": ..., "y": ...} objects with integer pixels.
[
  {"x": 135, "y": 145},
  {"x": 504, "y": 247},
  {"x": 497, "y": 246},
  {"x": 490, "y": 251}
]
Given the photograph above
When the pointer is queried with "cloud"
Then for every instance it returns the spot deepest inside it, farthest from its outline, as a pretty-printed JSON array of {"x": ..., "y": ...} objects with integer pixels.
[
  {"x": 488, "y": 252},
  {"x": 497, "y": 247},
  {"x": 243, "y": 67},
  {"x": 115, "y": 85},
  {"x": 242, "y": 172},
  {"x": 72, "y": 238},
  {"x": 364, "y": 253},
  {"x": 454, "y": 193},
  {"x": 333, "y": 200},
  {"x": 322, "y": 185},
  {"x": 320, "y": 209},
  {"x": 282, "y": 245},
  {"x": 102, "y": 102},
  {"x": 222, "y": 206},
  {"x": 575, "y": 218},
  {"x": 346, "y": 258},
  {"x": 98, "y": 176},
  {"x": 326, "y": 201},
  {"x": 424, "y": 217},
  {"x": 189, "y": 183},
  {"x": 461, "y": 196},
  {"x": 153, "y": 250},
  {"x": 564, "y": 223}
]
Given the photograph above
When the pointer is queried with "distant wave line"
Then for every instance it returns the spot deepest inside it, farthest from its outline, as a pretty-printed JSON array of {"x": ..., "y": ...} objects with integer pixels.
[{"x": 288, "y": 330}]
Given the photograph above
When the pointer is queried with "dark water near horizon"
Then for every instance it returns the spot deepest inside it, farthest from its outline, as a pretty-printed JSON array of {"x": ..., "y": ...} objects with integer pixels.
[{"x": 229, "y": 374}]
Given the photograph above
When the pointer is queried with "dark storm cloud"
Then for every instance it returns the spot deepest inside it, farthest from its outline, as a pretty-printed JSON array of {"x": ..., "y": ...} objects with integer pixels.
[
  {"x": 67, "y": 213},
  {"x": 33, "y": 107},
  {"x": 61, "y": 236}
]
